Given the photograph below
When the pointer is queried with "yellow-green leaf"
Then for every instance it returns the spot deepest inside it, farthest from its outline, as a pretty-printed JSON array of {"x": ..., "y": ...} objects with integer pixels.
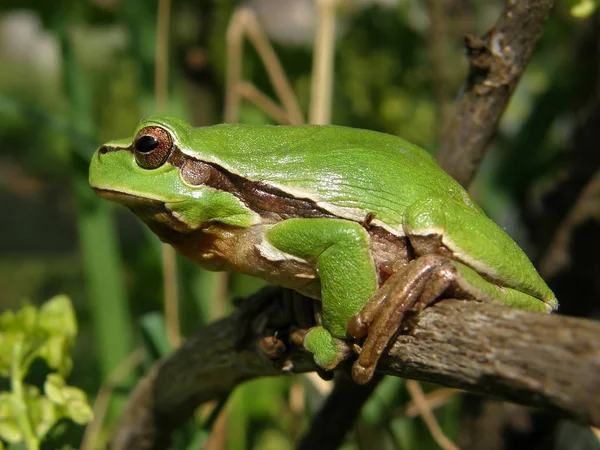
[
  {"x": 77, "y": 405},
  {"x": 44, "y": 416},
  {"x": 583, "y": 8},
  {"x": 57, "y": 317},
  {"x": 9, "y": 430},
  {"x": 53, "y": 388},
  {"x": 56, "y": 353}
]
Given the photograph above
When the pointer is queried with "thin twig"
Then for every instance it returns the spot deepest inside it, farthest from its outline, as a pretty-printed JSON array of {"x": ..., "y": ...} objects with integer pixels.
[
  {"x": 161, "y": 88},
  {"x": 169, "y": 265},
  {"x": 124, "y": 369},
  {"x": 437, "y": 43},
  {"x": 233, "y": 75},
  {"x": 218, "y": 299},
  {"x": 420, "y": 401},
  {"x": 244, "y": 22},
  {"x": 323, "y": 58},
  {"x": 217, "y": 439},
  {"x": 435, "y": 399},
  {"x": 587, "y": 207},
  {"x": 253, "y": 94}
]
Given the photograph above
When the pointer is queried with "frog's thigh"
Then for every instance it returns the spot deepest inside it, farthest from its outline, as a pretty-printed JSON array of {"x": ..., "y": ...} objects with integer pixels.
[
  {"x": 436, "y": 226},
  {"x": 342, "y": 254},
  {"x": 469, "y": 284}
]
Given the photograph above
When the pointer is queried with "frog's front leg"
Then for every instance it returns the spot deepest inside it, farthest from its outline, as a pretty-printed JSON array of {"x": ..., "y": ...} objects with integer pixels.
[{"x": 340, "y": 250}]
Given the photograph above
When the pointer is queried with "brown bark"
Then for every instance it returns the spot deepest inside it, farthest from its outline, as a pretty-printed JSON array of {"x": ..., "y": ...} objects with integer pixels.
[
  {"x": 496, "y": 63},
  {"x": 546, "y": 361}
]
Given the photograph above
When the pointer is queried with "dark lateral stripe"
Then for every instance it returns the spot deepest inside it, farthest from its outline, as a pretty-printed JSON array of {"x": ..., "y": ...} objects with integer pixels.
[{"x": 266, "y": 200}]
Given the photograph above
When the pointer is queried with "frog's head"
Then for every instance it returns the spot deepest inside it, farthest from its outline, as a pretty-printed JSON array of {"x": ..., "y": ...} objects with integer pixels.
[
  {"x": 143, "y": 169},
  {"x": 162, "y": 184}
]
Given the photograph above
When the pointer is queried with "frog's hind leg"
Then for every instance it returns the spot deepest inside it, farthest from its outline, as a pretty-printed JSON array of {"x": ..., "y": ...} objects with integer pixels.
[
  {"x": 417, "y": 285},
  {"x": 459, "y": 253}
]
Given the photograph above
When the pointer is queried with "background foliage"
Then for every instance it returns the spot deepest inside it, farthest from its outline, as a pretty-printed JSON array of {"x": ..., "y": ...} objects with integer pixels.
[{"x": 77, "y": 73}]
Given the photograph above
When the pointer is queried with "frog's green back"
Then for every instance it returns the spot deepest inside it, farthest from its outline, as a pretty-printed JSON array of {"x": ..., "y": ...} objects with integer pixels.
[
  {"x": 353, "y": 173},
  {"x": 350, "y": 172}
]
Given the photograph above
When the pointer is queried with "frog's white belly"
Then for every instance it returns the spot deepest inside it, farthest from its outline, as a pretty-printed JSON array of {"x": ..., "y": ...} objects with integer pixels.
[{"x": 244, "y": 250}]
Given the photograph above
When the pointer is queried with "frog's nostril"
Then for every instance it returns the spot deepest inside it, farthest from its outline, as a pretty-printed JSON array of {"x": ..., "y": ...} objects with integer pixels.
[{"x": 102, "y": 150}]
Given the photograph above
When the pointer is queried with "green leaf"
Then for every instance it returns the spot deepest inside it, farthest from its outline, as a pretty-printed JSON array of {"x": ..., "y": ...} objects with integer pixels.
[
  {"x": 57, "y": 317},
  {"x": 57, "y": 321},
  {"x": 72, "y": 400},
  {"x": 44, "y": 416},
  {"x": 56, "y": 353},
  {"x": 42, "y": 412},
  {"x": 77, "y": 405},
  {"x": 7, "y": 343},
  {"x": 26, "y": 416},
  {"x": 53, "y": 387},
  {"x": 23, "y": 320},
  {"x": 19, "y": 326},
  {"x": 9, "y": 430},
  {"x": 583, "y": 8},
  {"x": 47, "y": 333},
  {"x": 17, "y": 446}
]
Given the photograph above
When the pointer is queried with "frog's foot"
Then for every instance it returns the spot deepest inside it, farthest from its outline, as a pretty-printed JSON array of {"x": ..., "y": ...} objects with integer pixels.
[
  {"x": 327, "y": 351},
  {"x": 419, "y": 284}
]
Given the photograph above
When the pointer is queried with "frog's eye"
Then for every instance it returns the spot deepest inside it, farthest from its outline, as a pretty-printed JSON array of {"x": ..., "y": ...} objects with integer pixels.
[{"x": 152, "y": 146}]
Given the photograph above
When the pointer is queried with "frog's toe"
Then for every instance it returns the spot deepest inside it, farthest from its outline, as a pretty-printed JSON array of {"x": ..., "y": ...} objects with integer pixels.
[
  {"x": 362, "y": 374},
  {"x": 357, "y": 328},
  {"x": 327, "y": 351}
]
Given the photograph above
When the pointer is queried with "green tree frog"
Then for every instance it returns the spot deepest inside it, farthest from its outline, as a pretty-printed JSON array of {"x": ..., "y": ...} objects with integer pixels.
[{"x": 364, "y": 222}]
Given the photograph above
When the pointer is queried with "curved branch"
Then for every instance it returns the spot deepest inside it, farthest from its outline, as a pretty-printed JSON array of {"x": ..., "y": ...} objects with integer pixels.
[
  {"x": 546, "y": 361},
  {"x": 496, "y": 63}
]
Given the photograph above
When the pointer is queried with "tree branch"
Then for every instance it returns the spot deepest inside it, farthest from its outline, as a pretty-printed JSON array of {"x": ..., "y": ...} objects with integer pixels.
[
  {"x": 329, "y": 426},
  {"x": 546, "y": 361},
  {"x": 496, "y": 64},
  {"x": 208, "y": 366}
]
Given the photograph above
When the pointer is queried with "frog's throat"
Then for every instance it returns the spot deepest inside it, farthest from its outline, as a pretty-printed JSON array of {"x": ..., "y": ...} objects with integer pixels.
[{"x": 154, "y": 213}]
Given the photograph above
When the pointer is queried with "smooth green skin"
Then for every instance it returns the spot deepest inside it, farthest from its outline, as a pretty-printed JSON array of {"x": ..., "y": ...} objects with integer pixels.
[{"x": 350, "y": 173}]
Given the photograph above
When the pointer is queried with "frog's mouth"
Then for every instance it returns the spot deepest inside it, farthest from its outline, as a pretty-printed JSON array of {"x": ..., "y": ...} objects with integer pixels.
[{"x": 126, "y": 199}]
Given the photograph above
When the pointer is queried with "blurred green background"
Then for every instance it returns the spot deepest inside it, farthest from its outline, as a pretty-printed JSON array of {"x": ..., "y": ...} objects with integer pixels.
[{"x": 77, "y": 73}]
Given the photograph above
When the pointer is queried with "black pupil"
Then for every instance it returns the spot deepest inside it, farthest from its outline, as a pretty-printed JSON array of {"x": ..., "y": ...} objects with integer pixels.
[{"x": 146, "y": 144}]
